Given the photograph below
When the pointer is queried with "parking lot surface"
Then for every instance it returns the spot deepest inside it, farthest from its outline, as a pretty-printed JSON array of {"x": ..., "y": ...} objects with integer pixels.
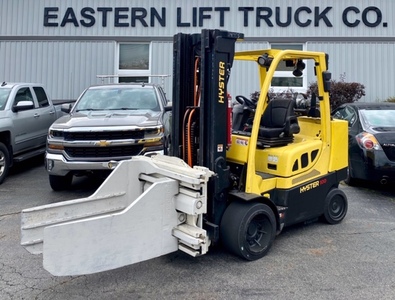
[{"x": 351, "y": 260}]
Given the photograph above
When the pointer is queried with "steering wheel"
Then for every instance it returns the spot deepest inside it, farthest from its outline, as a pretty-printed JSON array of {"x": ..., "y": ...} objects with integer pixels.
[{"x": 245, "y": 101}]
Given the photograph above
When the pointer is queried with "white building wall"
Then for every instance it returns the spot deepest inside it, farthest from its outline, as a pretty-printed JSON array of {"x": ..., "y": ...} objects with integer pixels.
[
  {"x": 65, "y": 67},
  {"x": 255, "y": 18},
  {"x": 368, "y": 63}
]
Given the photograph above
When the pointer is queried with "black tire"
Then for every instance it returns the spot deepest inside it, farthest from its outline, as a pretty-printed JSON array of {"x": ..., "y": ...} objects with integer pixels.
[
  {"x": 248, "y": 229},
  {"x": 60, "y": 183},
  {"x": 4, "y": 162},
  {"x": 336, "y": 206}
]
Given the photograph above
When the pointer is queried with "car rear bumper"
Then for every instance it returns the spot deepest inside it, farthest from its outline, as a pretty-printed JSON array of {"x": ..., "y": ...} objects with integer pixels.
[{"x": 374, "y": 167}]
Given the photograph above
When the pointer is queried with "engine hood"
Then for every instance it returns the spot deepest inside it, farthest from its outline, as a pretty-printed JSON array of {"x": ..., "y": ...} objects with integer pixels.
[{"x": 108, "y": 119}]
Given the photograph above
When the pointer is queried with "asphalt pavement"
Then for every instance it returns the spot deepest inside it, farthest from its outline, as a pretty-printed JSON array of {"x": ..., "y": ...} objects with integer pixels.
[{"x": 351, "y": 260}]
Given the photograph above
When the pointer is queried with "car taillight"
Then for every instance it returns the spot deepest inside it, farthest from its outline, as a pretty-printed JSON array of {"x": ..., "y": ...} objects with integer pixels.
[{"x": 368, "y": 141}]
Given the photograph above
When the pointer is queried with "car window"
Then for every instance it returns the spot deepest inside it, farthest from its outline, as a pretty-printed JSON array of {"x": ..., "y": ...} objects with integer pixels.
[
  {"x": 119, "y": 99},
  {"x": 346, "y": 113},
  {"x": 379, "y": 118},
  {"x": 3, "y": 97},
  {"x": 41, "y": 96},
  {"x": 23, "y": 94}
]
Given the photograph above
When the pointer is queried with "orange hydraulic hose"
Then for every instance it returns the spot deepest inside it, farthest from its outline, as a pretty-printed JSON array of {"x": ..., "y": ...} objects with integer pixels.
[
  {"x": 190, "y": 162},
  {"x": 184, "y": 124}
]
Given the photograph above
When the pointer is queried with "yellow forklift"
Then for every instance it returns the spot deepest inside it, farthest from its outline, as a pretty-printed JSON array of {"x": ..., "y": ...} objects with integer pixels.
[{"x": 233, "y": 185}]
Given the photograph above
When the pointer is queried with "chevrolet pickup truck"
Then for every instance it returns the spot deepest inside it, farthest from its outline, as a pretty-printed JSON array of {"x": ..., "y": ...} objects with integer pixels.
[
  {"x": 107, "y": 124},
  {"x": 26, "y": 113}
]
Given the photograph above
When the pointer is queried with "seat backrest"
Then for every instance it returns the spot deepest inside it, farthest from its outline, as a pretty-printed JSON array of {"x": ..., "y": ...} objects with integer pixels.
[
  {"x": 277, "y": 112},
  {"x": 279, "y": 119}
]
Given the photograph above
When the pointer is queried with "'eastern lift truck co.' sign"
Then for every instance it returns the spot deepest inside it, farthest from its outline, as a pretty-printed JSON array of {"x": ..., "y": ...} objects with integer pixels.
[{"x": 302, "y": 16}]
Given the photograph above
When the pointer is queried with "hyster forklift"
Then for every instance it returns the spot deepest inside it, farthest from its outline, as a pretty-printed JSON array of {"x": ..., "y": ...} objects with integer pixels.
[{"x": 234, "y": 185}]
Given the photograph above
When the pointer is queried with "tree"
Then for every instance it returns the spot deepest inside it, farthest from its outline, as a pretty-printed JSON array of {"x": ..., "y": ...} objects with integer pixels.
[{"x": 341, "y": 91}]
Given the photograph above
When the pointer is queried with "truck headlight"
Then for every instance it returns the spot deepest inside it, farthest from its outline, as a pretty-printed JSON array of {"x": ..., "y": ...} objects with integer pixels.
[
  {"x": 155, "y": 131},
  {"x": 55, "y": 133}
]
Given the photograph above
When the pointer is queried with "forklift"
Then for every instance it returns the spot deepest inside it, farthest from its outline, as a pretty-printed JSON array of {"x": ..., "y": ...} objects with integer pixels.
[{"x": 235, "y": 176}]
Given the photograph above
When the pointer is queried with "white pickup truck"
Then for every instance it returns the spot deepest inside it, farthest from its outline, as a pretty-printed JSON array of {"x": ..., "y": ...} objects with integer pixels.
[{"x": 26, "y": 113}]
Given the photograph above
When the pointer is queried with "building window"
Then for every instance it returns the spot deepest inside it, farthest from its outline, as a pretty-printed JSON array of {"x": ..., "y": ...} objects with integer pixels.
[
  {"x": 283, "y": 77},
  {"x": 134, "y": 62}
]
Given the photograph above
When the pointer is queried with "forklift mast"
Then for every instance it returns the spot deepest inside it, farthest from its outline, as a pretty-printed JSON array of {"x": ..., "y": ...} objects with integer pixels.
[{"x": 201, "y": 115}]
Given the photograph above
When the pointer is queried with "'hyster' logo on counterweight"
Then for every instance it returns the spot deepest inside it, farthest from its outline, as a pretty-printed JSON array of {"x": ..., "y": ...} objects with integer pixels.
[
  {"x": 313, "y": 185},
  {"x": 309, "y": 186}
]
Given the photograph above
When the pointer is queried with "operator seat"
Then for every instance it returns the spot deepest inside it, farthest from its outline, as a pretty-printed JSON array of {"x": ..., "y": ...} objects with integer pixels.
[{"x": 278, "y": 123}]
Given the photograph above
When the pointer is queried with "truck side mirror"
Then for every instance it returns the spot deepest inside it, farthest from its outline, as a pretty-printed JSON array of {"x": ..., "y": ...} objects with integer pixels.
[
  {"x": 66, "y": 107},
  {"x": 23, "y": 105},
  {"x": 327, "y": 80}
]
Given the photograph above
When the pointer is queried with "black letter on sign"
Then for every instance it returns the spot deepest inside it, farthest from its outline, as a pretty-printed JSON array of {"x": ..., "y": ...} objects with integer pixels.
[
  {"x": 161, "y": 19},
  {"x": 297, "y": 19},
  {"x": 345, "y": 19},
  {"x": 119, "y": 16},
  {"x": 69, "y": 17},
  {"x": 379, "y": 16},
  {"x": 139, "y": 13},
  {"x": 319, "y": 16},
  {"x": 48, "y": 15},
  {"x": 179, "y": 23},
  {"x": 84, "y": 14},
  {"x": 202, "y": 15},
  {"x": 222, "y": 11},
  {"x": 278, "y": 17},
  {"x": 104, "y": 10},
  {"x": 246, "y": 10},
  {"x": 265, "y": 17}
]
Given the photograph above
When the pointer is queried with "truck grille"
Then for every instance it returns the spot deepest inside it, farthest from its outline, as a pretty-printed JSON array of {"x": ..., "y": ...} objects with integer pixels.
[
  {"x": 104, "y": 135},
  {"x": 112, "y": 152}
]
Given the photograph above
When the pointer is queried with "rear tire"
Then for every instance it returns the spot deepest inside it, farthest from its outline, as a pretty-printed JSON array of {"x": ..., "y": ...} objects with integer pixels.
[
  {"x": 336, "y": 206},
  {"x": 4, "y": 162},
  {"x": 248, "y": 229},
  {"x": 60, "y": 183}
]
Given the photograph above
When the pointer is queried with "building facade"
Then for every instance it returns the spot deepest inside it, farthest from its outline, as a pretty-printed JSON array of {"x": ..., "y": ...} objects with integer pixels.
[{"x": 66, "y": 44}]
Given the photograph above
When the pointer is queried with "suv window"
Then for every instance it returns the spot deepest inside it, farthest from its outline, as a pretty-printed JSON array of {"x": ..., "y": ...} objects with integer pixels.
[{"x": 41, "y": 96}]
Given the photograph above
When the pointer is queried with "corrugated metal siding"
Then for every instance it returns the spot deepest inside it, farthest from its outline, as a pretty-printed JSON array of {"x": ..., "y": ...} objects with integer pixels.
[
  {"x": 65, "y": 67},
  {"x": 25, "y": 17},
  {"x": 371, "y": 64},
  {"x": 243, "y": 80},
  {"x": 162, "y": 64}
]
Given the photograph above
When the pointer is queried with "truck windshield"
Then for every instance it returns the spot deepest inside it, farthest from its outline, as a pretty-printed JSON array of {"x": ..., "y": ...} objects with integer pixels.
[
  {"x": 118, "y": 99},
  {"x": 4, "y": 92}
]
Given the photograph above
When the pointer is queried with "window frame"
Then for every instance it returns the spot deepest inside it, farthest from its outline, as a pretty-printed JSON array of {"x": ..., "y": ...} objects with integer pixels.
[
  {"x": 288, "y": 74},
  {"x": 124, "y": 73}
]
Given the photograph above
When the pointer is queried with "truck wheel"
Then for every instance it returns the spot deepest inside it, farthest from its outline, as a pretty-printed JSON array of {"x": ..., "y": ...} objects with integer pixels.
[
  {"x": 60, "y": 183},
  {"x": 248, "y": 229},
  {"x": 4, "y": 162},
  {"x": 336, "y": 206}
]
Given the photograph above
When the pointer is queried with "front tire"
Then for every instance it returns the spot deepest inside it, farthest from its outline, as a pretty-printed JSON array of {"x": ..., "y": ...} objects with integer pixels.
[
  {"x": 60, "y": 183},
  {"x": 4, "y": 162},
  {"x": 336, "y": 206},
  {"x": 248, "y": 229}
]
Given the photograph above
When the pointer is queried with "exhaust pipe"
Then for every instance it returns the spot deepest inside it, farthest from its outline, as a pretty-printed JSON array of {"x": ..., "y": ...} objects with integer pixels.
[{"x": 384, "y": 180}]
